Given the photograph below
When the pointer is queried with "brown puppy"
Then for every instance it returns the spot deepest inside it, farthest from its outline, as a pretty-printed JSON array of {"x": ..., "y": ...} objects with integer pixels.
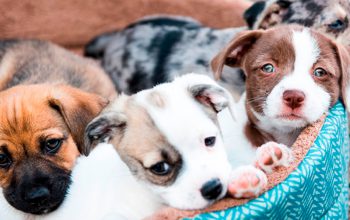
[
  {"x": 34, "y": 61},
  {"x": 42, "y": 120}
]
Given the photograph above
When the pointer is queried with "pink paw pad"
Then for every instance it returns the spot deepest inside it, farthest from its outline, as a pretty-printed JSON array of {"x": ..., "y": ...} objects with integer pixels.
[
  {"x": 247, "y": 182},
  {"x": 271, "y": 155}
]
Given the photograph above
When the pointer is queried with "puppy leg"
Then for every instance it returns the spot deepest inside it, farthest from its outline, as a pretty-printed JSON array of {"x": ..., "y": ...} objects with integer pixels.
[
  {"x": 246, "y": 182},
  {"x": 271, "y": 155}
]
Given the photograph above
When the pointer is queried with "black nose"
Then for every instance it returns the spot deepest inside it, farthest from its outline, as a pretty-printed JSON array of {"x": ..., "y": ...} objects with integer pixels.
[
  {"x": 37, "y": 194},
  {"x": 212, "y": 189},
  {"x": 293, "y": 98}
]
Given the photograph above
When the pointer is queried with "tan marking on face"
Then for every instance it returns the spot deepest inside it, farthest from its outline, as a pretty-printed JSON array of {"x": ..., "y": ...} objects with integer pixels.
[
  {"x": 141, "y": 145},
  {"x": 26, "y": 121},
  {"x": 156, "y": 99}
]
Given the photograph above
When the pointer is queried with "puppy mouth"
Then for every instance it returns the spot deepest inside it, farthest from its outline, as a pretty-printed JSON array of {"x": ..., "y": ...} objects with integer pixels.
[
  {"x": 290, "y": 117},
  {"x": 40, "y": 206},
  {"x": 40, "y": 210}
]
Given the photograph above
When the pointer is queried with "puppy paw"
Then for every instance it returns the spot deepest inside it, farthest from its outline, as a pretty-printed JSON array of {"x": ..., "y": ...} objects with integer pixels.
[
  {"x": 271, "y": 155},
  {"x": 246, "y": 182}
]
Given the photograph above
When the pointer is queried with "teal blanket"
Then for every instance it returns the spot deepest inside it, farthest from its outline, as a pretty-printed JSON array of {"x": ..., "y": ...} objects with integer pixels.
[{"x": 317, "y": 189}]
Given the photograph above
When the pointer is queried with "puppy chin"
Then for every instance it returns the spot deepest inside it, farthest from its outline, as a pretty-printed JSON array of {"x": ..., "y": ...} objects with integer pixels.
[
  {"x": 287, "y": 120},
  {"x": 58, "y": 188},
  {"x": 286, "y": 124}
]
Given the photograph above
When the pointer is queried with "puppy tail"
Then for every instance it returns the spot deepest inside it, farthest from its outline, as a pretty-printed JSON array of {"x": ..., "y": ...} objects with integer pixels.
[{"x": 97, "y": 46}]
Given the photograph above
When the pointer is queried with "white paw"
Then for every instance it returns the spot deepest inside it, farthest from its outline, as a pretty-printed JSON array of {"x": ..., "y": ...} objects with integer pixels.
[
  {"x": 246, "y": 182},
  {"x": 271, "y": 155}
]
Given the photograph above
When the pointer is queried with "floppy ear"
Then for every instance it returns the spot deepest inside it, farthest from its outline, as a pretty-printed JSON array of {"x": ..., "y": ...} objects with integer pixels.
[
  {"x": 271, "y": 15},
  {"x": 343, "y": 53},
  {"x": 212, "y": 96},
  {"x": 77, "y": 108},
  {"x": 104, "y": 127},
  {"x": 233, "y": 54}
]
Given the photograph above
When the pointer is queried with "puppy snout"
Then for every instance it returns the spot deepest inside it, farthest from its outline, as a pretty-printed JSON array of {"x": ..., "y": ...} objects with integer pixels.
[
  {"x": 37, "y": 194},
  {"x": 293, "y": 98},
  {"x": 212, "y": 189}
]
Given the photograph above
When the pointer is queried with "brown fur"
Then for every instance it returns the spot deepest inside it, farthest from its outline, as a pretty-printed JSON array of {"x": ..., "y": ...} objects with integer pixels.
[
  {"x": 39, "y": 103},
  {"x": 34, "y": 61},
  {"x": 252, "y": 49},
  {"x": 149, "y": 148},
  {"x": 256, "y": 136},
  {"x": 28, "y": 117}
]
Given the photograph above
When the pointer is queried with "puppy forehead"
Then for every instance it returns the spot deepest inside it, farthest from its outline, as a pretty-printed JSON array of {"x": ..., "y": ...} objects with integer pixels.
[
  {"x": 291, "y": 43},
  {"x": 306, "y": 49},
  {"x": 181, "y": 119},
  {"x": 24, "y": 113}
]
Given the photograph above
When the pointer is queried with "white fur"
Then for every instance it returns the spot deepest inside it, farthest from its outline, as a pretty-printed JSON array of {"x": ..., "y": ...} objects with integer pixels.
[
  {"x": 317, "y": 100},
  {"x": 8, "y": 212},
  {"x": 347, "y": 94},
  {"x": 185, "y": 125},
  {"x": 104, "y": 188}
]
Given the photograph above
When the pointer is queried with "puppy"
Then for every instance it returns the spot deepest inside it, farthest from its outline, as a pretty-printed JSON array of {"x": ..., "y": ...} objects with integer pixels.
[
  {"x": 157, "y": 149},
  {"x": 42, "y": 122},
  {"x": 294, "y": 75},
  {"x": 35, "y": 61},
  {"x": 304, "y": 73},
  {"x": 171, "y": 152},
  {"x": 157, "y": 49}
]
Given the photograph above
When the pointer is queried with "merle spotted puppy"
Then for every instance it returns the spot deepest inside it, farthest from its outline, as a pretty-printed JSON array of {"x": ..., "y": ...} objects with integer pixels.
[{"x": 157, "y": 49}]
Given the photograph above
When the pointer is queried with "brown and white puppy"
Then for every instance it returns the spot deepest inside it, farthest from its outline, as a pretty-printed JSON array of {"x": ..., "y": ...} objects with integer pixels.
[
  {"x": 294, "y": 75},
  {"x": 159, "y": 48},
  {"x": 42, "y": 121}
]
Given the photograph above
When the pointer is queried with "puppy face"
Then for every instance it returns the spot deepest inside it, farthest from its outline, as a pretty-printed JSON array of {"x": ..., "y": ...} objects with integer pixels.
[
  {"x": 294, "y": 74},
  {"x": 330, "y": 17},
  {"x": 169, "y": 138},
  {"x": 41, "y": 135}
]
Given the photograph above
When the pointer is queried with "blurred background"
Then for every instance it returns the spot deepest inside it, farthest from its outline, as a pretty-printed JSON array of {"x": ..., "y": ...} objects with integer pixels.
[{"x": 72, "y": 23}]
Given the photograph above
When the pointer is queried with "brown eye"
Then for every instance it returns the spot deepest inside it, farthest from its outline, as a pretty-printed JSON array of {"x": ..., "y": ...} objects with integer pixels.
[
  {"x": 268, "y": 68},
  {"x": 319, "y": 72},
  {"x": 5, "y": 161},
  {"x": 51, "y": 146},
  {"x": 161, "y": 169}
]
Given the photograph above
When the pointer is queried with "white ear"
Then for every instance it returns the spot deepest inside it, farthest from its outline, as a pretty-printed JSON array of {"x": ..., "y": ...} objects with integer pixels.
[{"x": 207, "y": 92}]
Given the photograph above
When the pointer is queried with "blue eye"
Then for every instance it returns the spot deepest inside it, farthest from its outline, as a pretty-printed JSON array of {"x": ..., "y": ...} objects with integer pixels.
[
  {"x": 268, "y": 68},
  {"x": 337, "y": 25},
  {"x": 319, "y": 72}
]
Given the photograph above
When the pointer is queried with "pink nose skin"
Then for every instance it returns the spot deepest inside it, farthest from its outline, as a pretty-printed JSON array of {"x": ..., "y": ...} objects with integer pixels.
[{"x": 293, "y": 98}]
